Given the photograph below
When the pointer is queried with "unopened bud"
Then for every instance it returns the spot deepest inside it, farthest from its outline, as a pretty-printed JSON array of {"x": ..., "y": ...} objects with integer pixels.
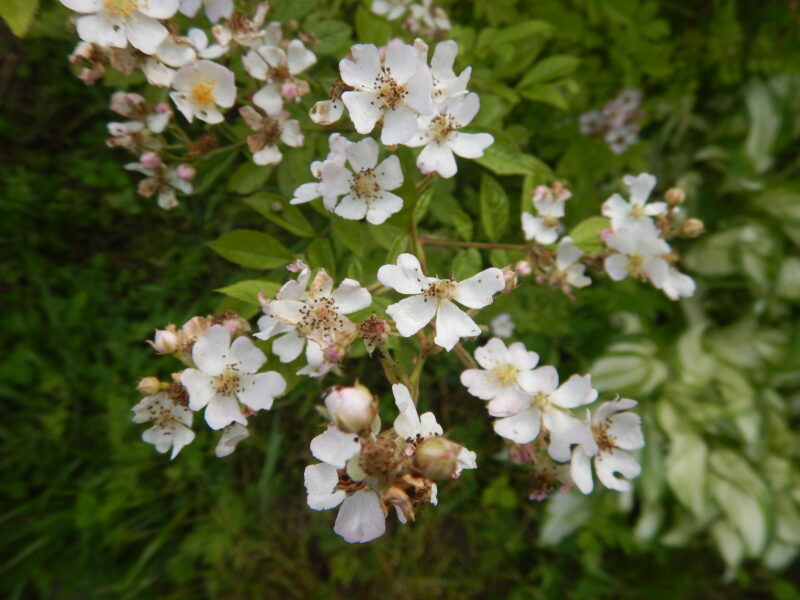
[
  {"x": 166, "y": 341},
  {"x": 351, "y": 408},
  {"x": 186, "y": 172},
  {"x": 150, "y": 160},
  {"x": 510, "y": 275},
  {"x": 675, "y": 196},
  {"x": 436, "y": 458},
  {"x": 149, "y": 386},
  {"x": 523, "y": 268},
  {"x": 692, "y": 228}
]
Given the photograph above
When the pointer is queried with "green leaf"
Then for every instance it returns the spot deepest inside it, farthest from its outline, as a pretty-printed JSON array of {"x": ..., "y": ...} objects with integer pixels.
[
  {"x": 466, "y": 263},
  {"x": 399, "y": 245},
  {"x": 320, "y": 254},
  {"x": 248, "y": 290},
  {"x": 548, "y": 69},
  {"x": 332, "y": 36},
  {"x": 249, "y": 177},
  {"x": 212, "y": 169},
  {"x": 547, "y": 93},
  {"x": 289, "y": 217},
  {"x": 19, "y": 14},
  {"x": 498, "y": 258},
  {"x": 463, "y": 224},
  {"x": 371, "y": 29},
  {"x": 521, "y": 31},
  {"x": 504, "y": 159},
  {"x": 251, "y": 249},
  {"x": 421, "y": 207},
  {"x": 586, "y": 234},
  {"x": 494, "y": 208},
  {"x": 349, "y": 233}
]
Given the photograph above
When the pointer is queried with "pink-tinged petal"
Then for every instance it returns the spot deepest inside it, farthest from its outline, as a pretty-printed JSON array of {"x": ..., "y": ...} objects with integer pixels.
[
  {"x": 83, "y": 6},
  {"x": 522, "y": 358},
  {"x": 321, "y": 481},
  {"x": 480, "y": 383},
  {"x": 406, "y": 276},
  {"x": 351, "y": 207},
  {"x": 400, "y": 61},
  {"x": 144, "y": 33},
  {"x": 493, "y": 354},
  {"x": 389, "y": 174},
  {"x": 610, "y": 462},
  {"x": 412, "y": 314},
  {"x": 399, "y": 125},
  {"x": 437, "y": 157},
  {"x": 259, "y": 391},
  {"x": 246, "y": 355},
  {"x": 335, "y": 447},
  {"x": 364, "y": 108},
  {"x": 363, "y": 70},
  {"x": 158, "y": 9},
  {"x": 509, "y": 401},
  {"x": 222, "y": 411},
  {"x": 200, "y": 387},
  {"x": 98, "y": 30},
  {"x": 288, "y": 347},
  {"x": 231, "y": 436},
  {"x": 617, "y": 266},
  {"x": 363, "y": 154},
  {"x": 407, "y": 423},
  {"x": 360, "y": 518},
  {"x": 520, "y": 428},
  {"x": 575, "y": 391},
  {"x": 580, "y": 470},
  {"x": 210, "y": 352},
  {"x": 383, "y": 206},
  {"x": 351, "y": 296},
  {"x": 478, "y": 290},
  {"x": 452, "y": 324},
  {"x": 469, "y": 145},
  {"x": 543, "y": 380}
]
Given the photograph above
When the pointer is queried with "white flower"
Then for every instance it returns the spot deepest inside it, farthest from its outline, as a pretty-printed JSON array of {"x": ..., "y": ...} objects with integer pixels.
[
  {"x": 678, "y": 285},
  {"x": 248, "y": 32},
  {"x": 446, "y": 84},
  {"x": 171, "y": 423},
  {"x": 226, "y": 374},
  {"x": 548, "y": 405},
  {"x": 637, "y": 213},
  {"x": 395, "y": 90},
  {"x": 117, "y": 22},
  {"x": 162, "y": 180},
  {"x": 200, "y": 88},
  {"x": 271, "y": 128},
  {"x": 231, "y": 435},
  {"x": 610, "y": 433},
  {"x": 639, "y": 254},
  {"x": 311, "y": 191},
  {"x": 431, "y": 17},
  {"x": 438, "y": 133},
  {"x": 499, "y": 378},
  {"x": 365, "y": 188},
  {"x": 568, "y": 269},
  {"x": 502, "y": 326},
  {"x": 215, "y": 9},
  {"x": 434, "y": 297},
  {"x": 279, "y": 67},
  {"x": 409, "y": 425},
  {"x": 550, "y": 203},
  {"x": 199, "y": 40},
  {"x": 393, "y": 9}
]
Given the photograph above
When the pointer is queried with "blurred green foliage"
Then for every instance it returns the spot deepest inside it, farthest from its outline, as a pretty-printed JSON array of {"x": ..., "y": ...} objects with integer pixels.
[{"x": 89, "y": 269}]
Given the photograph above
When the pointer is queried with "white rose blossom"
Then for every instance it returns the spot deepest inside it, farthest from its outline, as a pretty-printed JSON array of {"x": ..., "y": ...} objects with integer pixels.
[
  {"x": 199, "y": 41},
  {"x": 366, "y": 189},
  {"x": 498, "y": 379},
  {"x": 271, "y": 128},
  {"x": 227, "y": 374},
  {"x": 215, "y": 9},
  {"x": 604, "y": 441},
  {"x": 171, "y": 423},
  {"x": 567, "y": 268},
  {"x": 395, "y": 90},
  {"x": 502, "y": 326},
  {"x": 119, "y": 22},
  {"x": 200, "y": 88},
  {"x": 550, "y": 203},
  {"x": 393, "y": 9},
  {"x": 278, "y": 67},
  {"x": 432, "y": 297},
  {"x": 639, "y": 252},
  {"x": 636, "y": 214},
  {"x": 446, "y": 84},
  {"x": 311, "y": 191}
]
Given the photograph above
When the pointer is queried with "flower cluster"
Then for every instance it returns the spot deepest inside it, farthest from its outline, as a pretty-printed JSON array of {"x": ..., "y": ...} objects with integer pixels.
[
  {"x": 534, "y": 412},
  {"x": 618, "y": 123},
  {"x": 421, "y": 18}
]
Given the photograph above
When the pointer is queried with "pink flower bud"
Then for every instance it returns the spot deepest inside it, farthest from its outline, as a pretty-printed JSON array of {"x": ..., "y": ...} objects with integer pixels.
[
  {"x": 352, "y": 409},
  {"x": 297, "y": 266},
  {"x": 523, "y": 268},
  {"x": 605, "y": 234},
  {"x": 162, "y": 107},
  {"x": 166, "y": 341},
  {"x": 150, "y": 160},
  {"x": 290, "y": 91},
  {"x": 186, "y": 172},
  {"x": 123, "y": 102}
]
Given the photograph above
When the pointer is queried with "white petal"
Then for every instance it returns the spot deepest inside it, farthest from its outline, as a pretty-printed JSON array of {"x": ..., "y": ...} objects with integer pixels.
[
  {"x": 246, "y": 355},
  {"x": 521, "y": 358},
  {"x": 625, "y": 431},
  {"x": 218, "y": 9},
  {"x": 363, "y": 69},
  {"x": 360, "y": 518},
  {"x": 420, "y": 89},
  {"x": 321, "y": 481},
  {"x": 613, "y": 461},
  {"x": 98, "y": 30},
  {"x": 678, "y": 285},
  {"x": 469, "y": 145},
  {"x": 437, "y": 157},
  {"x": 399, "y": 125},
  {"x": 190, "y": 7},
  {"x": 452, "y": 324},
  {"x": 520, "y": 428},
  {"x": 335, "y": 447},
  {"x": 657, "y": 270},
  {"x": 581, "y": 471},
  {"x": 617, "y": 266},
  {"x": 351, "y": 207},
  {"x": 508, "y": 401},
  {"x": 607, "y": 409},
  {"x": 288, "y": 311},
  {"x": 269, "y": 99},
  {"x": 335, "y": 179},
  {"x": 258, "y": 391},
  {"x": 299, "y": 58},
  {"x": 567, "y": 254},
  {"x": 383, "y": 206},
  {"x": 289, "y": 346},
  {"x": 493, "y": 354},
  {"x": 400, "y": 60},
  {"x": 429, "y": 426},
  {"x": 575, "y": 391},
  {"x": 200, "y": 387},
  {"x": 231, "y": 436},
  {"x": 364, "y": 108},
  {"x": 640, "y": 186},
  {"x": 291, "y": 134},
  {"x": 412, "y": 314},
  {"x": 478, "y": 290},
  {"x": 83, "y": 6},
  {"x": 222, "y": 411},
  {"x": 480, "y": 383},
  {"x": 363, "y": 154},
  {"x": 181, "y": 436},
  {"x": 389, "y": 174},
  {"x": 407, "y": 423},
  {"x": 160, "y": 437},
  {"x": 351, "y": 296},
  {"x": 405, "y": 277},
  {"x": 210, "y": 352},
  {"x": 542, "y": 380},
  {"x": 145, "y": 33},
  {"x": 158, "y": 9},
  {"x": 268, "y": 155}
]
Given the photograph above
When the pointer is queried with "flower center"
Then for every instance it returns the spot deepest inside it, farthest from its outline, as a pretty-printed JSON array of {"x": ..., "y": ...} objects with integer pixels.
[
  {"x": 635, "y": 264},
  {"x": 280, "y": 73},
  {"x": 120, "y": 8},
  {"x": 271, "y": 131},
  {"x": 441, "y": 126},
  {"x": 550, "y": 221},
  {"x": 604, "y": 441},
  {"x": 390, "y": 93},
  {"x": 637, "y": 210},
  {"x": 319, "y": 316},
  {"x": 506, "y": 374},
  {"x": 541, "y": 400},
  {"x": 203, "y": 91},
  {"x": 439, "y": 289},
  {"x": 365, "y": 184},
  {"x": 227, "y": 382}
]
